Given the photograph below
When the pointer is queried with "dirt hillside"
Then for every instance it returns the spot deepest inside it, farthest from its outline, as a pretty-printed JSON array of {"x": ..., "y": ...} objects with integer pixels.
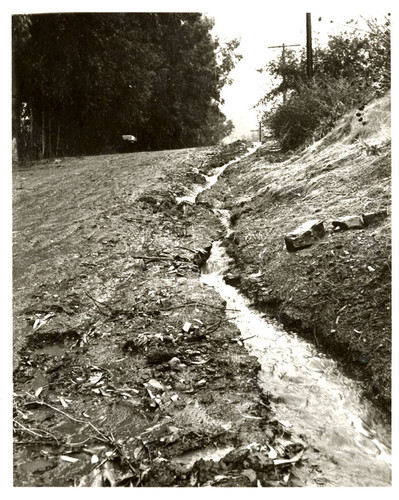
[{"x": 336, "y": 292}]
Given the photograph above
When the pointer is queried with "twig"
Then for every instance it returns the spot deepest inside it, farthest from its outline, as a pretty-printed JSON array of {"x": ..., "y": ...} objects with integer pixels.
[
  {"x": 188, "y": 249},
  {"x": 203, "y": 304},
  {"x": 214, "y": 326},
  {"x": 150, "y": 257},
  {"x": 105, "y": 460},
  {"x": 247, "y": 338},
  {"x": 29, "y": 431},
  {"x": 107, "y": 439},
  {"x": 42, "y": 403},
  {"x": 99, "y": 308}
]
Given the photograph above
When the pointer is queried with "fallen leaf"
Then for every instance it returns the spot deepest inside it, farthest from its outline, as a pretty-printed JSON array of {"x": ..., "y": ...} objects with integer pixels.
[
  {"x": 202, "y": 362},
  {"x": 92, "y": 480},
  {"x": 282, "y": 461},
  {"x": 139, "y": 452},
  {"x": 250, "y": 474},
  {"x": 108, "y": 474},
  {"x": 69, "y": 459},
  {"x": 95, "y": 379},
  {"x": 154, "y": 384}
]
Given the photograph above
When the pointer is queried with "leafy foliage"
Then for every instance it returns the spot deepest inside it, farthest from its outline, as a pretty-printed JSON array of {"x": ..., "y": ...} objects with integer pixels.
[
  {"x": 84, "y": 80},
  {"x": 351, "y": 70}
]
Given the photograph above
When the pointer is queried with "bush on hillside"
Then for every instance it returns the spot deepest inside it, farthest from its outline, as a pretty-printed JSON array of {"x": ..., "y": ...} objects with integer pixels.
[
  {"x": 312, "y": 111},
  {"x": 350, "y": 71}
]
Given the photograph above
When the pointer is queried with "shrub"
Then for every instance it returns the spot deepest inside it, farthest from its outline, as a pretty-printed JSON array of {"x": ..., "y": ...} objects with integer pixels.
[
  {"x": 350, "y": 71},
  {"x": 312, "y": 110}
]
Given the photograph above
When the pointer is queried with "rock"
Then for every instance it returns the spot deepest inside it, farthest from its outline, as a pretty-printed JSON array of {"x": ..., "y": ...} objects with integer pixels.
[
  {"x": 236, "y": 458},
  {"x": 202, "y": 255},
  {"x": 305, "y": 235},
  {"x": 176, "y": 364},
  {"x": 232, "y": 279},
  {"x": 157, "y": 356},
  {"x": 349, "y": 222},
  {"x": 206, "y": 398},
  {"x": 374, "y": 217},
  {"x": 258, "y": 461},
  {"x": 154, "y": 384},
  {"x": 186, "y": 327}
]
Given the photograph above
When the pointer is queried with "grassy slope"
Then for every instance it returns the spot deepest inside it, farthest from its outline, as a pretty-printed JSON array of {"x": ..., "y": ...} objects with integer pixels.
[{"x": 338, "y": 291}]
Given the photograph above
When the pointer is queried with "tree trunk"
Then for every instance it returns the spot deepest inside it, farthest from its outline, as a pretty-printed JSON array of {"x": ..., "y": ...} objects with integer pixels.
[
  {"x": 43, "y": 134},
  {"x": 57, "y": 146},
  {"x": 50, "y": 152}
]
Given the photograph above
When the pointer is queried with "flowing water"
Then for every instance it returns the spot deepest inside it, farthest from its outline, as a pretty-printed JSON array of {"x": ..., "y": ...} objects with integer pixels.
[
  {"x": 346, "y": 436},
  {"x": 348, "y": 440},
  {"x": 211, "y": 179}
]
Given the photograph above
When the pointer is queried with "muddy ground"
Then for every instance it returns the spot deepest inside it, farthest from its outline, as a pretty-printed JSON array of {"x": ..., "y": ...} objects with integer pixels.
[{"x": 124, "y": 363}]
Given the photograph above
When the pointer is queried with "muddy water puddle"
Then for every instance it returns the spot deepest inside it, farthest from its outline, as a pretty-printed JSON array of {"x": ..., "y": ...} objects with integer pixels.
[{"x": 347, "y": 439}]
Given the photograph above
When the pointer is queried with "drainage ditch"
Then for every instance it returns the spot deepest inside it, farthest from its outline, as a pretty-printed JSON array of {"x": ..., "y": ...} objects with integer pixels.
[{"x": 345, "y": 435}]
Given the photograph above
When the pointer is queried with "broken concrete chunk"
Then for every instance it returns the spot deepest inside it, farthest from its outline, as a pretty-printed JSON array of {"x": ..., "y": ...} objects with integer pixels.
[
  {"x": 374, "y": 217},
  {"x": 349, "y": 222},
  {"x": 305, "y": 235}
]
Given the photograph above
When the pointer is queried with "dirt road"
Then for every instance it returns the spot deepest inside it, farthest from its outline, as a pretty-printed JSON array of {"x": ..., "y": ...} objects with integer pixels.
[{"x": 123, "y": 360}]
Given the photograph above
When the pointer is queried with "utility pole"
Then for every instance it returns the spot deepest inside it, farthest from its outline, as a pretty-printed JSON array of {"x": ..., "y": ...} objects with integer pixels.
[
  {"x": 309, "y": 50},
  {"x": 283, "y": 46}
]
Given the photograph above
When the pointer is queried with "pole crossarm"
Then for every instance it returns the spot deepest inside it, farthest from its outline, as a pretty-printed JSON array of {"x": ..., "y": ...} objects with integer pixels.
[{"x": 281, "y": 46}]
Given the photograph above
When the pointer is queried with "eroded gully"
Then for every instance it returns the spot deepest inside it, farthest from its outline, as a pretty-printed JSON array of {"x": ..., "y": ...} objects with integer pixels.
[{"x": 346, "y": 437}]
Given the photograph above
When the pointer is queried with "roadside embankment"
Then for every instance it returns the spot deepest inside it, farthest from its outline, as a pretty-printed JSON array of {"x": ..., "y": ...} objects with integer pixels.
[{"x": 336, "y": 291}]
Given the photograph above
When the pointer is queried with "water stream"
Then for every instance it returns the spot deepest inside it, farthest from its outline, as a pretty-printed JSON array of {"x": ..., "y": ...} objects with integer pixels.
[
  {"x": 347, "y": 438},
  {"x": 211, "y": 179}
]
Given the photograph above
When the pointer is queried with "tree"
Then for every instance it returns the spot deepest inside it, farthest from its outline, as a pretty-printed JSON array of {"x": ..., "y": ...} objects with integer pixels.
[{"x": 83, "y": 80}]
